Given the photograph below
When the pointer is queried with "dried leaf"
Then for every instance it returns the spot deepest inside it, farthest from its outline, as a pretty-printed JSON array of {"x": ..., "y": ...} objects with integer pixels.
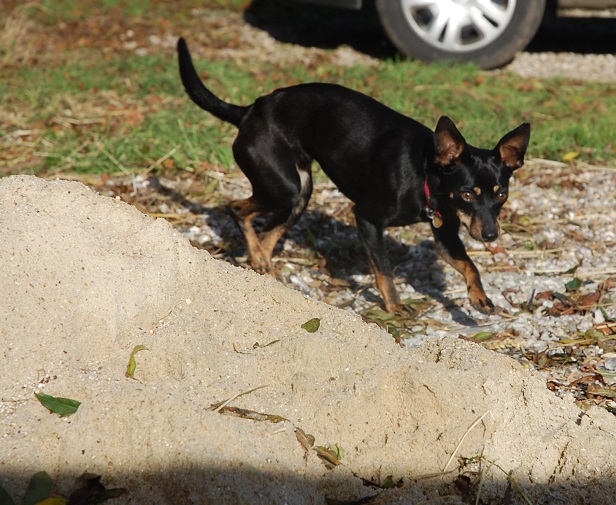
[
  {"x": 597, "y": 390},
  {"x": 576, "y": 341},
  {"x": 257, "y": 345},
  {"x": 57, "y": 405},
  {"x": 377, "y": 315},
  {"x": 251, "y": 414},
  {"x": 132, "y": 363},
  {"x": 496, "y": 249},
  {"x": 463, "y": 483},
  {"x": 306, "y": 440},
  {"x": 542, "y": 359},
  {"x": 39, "y": 488},
  {"x": 329, "y": 455},
  {"x": 312, "y": 325},
  {"x": 588, "y": 301},
  {"x": 545, "y": 295}
]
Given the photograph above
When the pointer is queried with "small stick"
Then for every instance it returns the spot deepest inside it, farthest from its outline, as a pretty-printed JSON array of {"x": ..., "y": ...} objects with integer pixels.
[
  {"x": 227, "y": 402},
  {"x": 453, "y": 454}
]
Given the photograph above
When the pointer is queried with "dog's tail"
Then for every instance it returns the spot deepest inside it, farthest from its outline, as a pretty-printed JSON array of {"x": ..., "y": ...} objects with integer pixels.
[{"x": 202, "y": 96}]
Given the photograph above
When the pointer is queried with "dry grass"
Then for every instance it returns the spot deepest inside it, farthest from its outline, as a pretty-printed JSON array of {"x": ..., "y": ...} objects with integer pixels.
[{"x": 16, "y": 46}]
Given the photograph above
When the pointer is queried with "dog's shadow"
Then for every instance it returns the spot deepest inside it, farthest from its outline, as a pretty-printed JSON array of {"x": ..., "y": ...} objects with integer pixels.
[
  {"x": 412, "y": 256},
  {"x": 329, "y": 245}
]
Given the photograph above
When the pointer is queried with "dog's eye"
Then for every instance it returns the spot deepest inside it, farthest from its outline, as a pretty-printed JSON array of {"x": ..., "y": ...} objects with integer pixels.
[
  {"x": 468, "y": 196},
  {"x": 501, "y": 197}
]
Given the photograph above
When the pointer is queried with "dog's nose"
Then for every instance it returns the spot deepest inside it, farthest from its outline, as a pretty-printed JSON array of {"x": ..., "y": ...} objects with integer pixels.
[{"x": 489, "y": 235}]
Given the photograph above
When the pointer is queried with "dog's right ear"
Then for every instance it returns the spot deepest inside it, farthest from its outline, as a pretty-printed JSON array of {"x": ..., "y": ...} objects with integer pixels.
[
  {"x": 512, "y": 147},
  {"x": 448, "y": 142}
]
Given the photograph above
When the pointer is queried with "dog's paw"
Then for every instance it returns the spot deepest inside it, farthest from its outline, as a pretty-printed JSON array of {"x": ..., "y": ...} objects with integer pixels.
[
  {"x": 401, "y": 309},
  {"x": 482, "y": 303}
]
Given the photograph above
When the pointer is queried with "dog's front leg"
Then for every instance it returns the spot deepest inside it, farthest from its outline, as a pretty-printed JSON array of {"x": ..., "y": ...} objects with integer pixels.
[
  {"x": 372, "y": 238},
  {"x": 451, "y": 248}
]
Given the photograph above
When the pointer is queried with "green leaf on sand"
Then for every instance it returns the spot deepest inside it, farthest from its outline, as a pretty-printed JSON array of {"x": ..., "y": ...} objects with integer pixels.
[
  {"x": 57, "y": 405},
  {"x": 132, "y": 363},
  {"x": 39, "y": 488},
  {"x": 312, "y": 325}
]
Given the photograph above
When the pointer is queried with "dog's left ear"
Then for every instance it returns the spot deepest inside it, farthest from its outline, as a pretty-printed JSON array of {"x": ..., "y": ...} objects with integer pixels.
[
  {"x": 448, "y": 142},
  {"x": 512, "y": 147}
]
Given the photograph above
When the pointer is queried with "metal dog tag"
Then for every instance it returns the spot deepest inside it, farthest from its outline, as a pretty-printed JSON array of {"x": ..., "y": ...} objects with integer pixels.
[{"x": 435, "y": 217}]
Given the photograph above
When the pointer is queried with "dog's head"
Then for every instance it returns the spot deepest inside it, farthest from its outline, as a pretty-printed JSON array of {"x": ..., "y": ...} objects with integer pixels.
[{"x": 475, "y": 182}]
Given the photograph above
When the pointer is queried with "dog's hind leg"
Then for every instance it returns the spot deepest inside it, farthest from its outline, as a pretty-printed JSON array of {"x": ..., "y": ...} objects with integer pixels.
[
  {"x": 244, "y": 212},
  {"x": 280, "y": 222},
  {"x": 281, "y": 184}
]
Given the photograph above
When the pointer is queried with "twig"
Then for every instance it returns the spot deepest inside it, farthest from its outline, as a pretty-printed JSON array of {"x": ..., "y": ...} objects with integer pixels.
[
  {"x": 162, "y": 159},
  {"x": 114, "y": 160},
  {"x": 453, "y": 454},
  {"x": 227, "y": 402}
]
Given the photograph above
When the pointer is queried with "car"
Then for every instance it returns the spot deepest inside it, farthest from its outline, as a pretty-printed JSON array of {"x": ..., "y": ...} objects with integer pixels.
[{"x": 487, "y": 32}]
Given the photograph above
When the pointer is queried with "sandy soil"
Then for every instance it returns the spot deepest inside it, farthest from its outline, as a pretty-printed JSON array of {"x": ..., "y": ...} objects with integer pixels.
[{"x": 85, "y": 278}]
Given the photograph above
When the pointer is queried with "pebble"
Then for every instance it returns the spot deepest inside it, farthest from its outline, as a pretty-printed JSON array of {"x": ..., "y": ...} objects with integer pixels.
[{"x": 610, "y": 364}]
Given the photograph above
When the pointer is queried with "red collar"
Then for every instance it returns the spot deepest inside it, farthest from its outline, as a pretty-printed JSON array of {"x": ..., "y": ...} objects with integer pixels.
[{"x": 434, "y": 215}]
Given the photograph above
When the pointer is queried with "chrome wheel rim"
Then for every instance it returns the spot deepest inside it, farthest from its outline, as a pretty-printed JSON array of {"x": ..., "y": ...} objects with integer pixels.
[{"x": 458, "y": 26}]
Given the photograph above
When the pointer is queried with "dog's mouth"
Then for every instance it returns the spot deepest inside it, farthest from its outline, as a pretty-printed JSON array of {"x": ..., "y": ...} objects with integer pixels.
[{"x": 479, "y": 230}]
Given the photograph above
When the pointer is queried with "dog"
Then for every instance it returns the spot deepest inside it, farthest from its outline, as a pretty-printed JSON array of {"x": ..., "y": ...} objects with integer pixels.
[{"x": 395, "y": 170}]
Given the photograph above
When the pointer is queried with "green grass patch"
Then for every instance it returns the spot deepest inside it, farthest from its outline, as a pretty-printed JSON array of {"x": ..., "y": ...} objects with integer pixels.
[{"x": 94, "y": 111}]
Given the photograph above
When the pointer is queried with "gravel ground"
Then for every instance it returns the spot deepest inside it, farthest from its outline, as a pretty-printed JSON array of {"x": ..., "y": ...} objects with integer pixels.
[{"x": 589, "y": 67}]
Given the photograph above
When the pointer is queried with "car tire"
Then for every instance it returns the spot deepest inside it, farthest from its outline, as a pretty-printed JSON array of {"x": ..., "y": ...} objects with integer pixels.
[{"x": 489, "y": 33}]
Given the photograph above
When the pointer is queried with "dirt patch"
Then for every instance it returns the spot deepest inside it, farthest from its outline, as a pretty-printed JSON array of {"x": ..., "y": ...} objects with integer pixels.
[{"x": 86, "y": 278}]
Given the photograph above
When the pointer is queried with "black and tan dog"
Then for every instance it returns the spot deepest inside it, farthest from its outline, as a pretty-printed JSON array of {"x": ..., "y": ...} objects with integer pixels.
[{"x": 394, "y": 169}]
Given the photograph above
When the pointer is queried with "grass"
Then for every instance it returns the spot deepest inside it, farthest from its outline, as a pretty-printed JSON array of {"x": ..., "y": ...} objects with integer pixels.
[{"x": 81, "y": 109}]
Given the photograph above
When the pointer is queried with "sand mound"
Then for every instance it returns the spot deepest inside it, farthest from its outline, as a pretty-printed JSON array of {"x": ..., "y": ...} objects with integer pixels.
[{"x": 86, "y": 278}]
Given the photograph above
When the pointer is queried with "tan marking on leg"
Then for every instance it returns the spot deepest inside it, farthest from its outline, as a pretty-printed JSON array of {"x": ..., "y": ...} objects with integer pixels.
[
  {"x": 269, "y": 238},
  {"x": 385, "y": 285},
  {"x": 245, "y": 211},
  {"x": 467, "y": 268}
]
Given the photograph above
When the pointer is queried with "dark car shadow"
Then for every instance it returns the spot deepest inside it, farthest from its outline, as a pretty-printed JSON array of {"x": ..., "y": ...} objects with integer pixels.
[
  {"x": 317, "y": 26},
  {"x": 327, "y": 28},
  {"x": 581, "y": 35}
]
